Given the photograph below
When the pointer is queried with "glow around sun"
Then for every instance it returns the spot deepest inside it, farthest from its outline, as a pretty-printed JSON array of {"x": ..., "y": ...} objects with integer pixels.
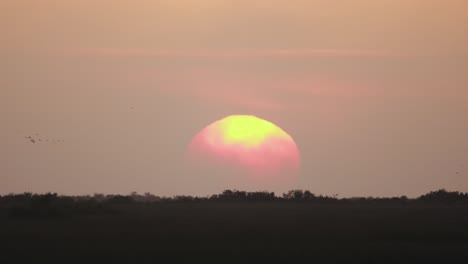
[{"x": 247, "y": 144}]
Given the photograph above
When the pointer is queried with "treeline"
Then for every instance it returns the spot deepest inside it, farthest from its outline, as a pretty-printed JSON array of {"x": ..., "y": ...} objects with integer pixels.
[
  {"x": 52, "y": 205},
  {"x": 440, "y": 196}
]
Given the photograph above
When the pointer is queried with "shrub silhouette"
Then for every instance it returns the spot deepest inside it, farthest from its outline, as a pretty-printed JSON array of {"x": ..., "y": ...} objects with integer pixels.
[
  {"x": 52, "y": 203},
  {"x": 443, "y": 196}
]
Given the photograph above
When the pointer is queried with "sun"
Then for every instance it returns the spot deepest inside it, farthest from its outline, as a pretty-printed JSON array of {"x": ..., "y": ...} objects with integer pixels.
[{"x": 252, "y": 147}]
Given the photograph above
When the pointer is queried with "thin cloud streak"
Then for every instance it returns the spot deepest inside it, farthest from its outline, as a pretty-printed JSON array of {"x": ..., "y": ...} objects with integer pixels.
[
  {"x": 287, "y": 93},
  {"x": 248, "y": 53}
]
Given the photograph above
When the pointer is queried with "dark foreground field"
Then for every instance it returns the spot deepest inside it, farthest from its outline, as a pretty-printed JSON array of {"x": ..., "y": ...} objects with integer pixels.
[{"x": 235, "y": 232}]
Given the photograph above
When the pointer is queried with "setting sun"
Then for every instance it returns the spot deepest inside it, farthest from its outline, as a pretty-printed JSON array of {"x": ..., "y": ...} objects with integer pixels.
[{"x": 248, "y": 143}]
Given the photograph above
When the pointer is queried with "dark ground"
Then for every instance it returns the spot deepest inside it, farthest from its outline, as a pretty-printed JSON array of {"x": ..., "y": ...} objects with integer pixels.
[{"x": 237, "y": 232}]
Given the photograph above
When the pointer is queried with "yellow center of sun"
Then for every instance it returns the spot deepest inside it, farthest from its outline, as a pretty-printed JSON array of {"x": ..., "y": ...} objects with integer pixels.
[{"x": 249, "y": 130}]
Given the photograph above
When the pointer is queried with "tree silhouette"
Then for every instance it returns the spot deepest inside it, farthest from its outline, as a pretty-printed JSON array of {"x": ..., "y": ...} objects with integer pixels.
[{"x": 443, "y": 196}]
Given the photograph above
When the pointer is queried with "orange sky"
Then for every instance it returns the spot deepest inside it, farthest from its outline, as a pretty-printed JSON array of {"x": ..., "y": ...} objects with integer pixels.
[{"x": 374, "y": 92}]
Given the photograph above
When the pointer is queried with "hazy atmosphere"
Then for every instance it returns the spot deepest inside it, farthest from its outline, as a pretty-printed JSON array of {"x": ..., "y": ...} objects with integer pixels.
[{"x": 106, "y": 96}]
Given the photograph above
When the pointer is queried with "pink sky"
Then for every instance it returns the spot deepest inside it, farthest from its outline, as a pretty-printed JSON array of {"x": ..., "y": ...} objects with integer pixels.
[{"x": 373, "y": 92}]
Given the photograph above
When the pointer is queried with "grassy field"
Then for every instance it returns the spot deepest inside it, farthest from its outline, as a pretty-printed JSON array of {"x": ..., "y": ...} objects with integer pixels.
[{"x": 239, "y": 232}]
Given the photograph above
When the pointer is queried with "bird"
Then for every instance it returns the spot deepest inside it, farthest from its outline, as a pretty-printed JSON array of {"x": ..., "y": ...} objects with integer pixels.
[{"x": 32, "y": 140}]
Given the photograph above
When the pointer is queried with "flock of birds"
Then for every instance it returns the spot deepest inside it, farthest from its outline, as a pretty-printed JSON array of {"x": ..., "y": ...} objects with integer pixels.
[{"x": 36, "y": 139}]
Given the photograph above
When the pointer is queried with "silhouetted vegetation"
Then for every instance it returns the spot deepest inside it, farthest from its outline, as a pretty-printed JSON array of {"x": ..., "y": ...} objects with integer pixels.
[
  {"x": 54, "y": 201},
  {"x": 235, "y": 226},
  {"x": 443, "y": 196}
]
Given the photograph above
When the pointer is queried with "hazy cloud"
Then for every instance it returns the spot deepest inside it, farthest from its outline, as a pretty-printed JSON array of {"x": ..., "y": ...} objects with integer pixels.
[{"x": 243, "y": 53}]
